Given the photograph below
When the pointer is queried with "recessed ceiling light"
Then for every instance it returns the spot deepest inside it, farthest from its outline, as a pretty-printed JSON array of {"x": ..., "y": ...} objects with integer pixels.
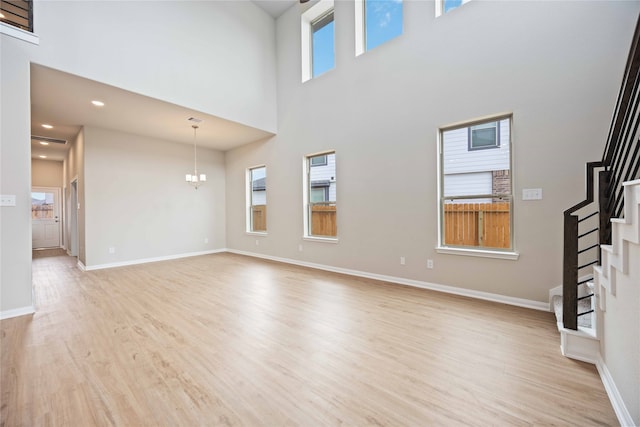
[
  {"x": 44, "y": 143},
  {"x": 47, "y": 126},
  {"x": 43, "y": 157},
  {"x": 97, "y": 103}
]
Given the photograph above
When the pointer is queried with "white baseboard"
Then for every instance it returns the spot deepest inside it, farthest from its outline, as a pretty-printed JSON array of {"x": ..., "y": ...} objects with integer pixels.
[
  {"x": 147, "y": 260},
  {"x": 624, "y": 417},
  {"x": 520, "y": 302},
  {"x": 8, "y": 314}
]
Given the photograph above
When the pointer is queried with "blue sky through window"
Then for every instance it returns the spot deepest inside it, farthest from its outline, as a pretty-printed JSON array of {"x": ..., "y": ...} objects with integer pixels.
[
  {"x": 383, "y": 20},
  {"x": 451, "y": 4},
  {"x": 323, "y": 49}
]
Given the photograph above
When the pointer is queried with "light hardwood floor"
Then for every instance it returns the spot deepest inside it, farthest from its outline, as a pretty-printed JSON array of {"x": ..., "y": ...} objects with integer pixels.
[{"x": 230, "y": 340}]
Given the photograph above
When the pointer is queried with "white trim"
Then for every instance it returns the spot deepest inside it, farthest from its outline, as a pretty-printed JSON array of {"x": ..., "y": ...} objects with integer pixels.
[
  {"x": 8, "y": 314},
  {"x": 624, "y": 417},
  {"x": 19, "y": 33},
  {"x": 360, "y": 27},
  {"x": 81, "y": 265},
  {"x": 579, "y": 345},
  {"x": 478, "y": 252},
  {"x": 520, "y": 302},
  {"x": 147, "y": 260},
  {"x": 321, "y": 239},
  {"x": 257, "y": 233}
]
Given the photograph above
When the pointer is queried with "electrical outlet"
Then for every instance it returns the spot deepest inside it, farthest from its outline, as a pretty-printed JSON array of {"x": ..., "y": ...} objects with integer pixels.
[
  {"x": 429, "y": 263},
  {"x": 300, "y": 247},
  {"x": 402, "y": 261},
  {"x": 112, "y": 250},
  {"x": 257, "y": 242},
  {"x": 206, "y": 240}
]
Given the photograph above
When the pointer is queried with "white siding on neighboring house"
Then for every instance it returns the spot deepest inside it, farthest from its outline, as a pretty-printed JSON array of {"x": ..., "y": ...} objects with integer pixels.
[
  {"x": 463, "y": 184},
  {"x": 325, "y": 173},
  {"x": 259, "y": 197},
  {"x": 458, "y": 159}
]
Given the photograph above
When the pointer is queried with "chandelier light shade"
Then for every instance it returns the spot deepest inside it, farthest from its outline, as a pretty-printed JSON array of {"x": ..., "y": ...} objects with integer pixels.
[{"x": 195, "y": 179}]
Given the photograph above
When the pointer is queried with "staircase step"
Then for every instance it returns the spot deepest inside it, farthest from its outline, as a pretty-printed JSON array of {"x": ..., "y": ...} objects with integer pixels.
[{"x": 583, "y": 305}]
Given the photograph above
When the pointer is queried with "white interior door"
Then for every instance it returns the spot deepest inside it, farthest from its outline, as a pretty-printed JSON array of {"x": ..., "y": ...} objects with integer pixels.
[{"x": 45, "y": 217}]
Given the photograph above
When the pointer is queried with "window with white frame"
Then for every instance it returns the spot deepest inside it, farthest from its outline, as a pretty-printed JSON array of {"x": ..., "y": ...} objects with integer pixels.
[
  {"x": 257, "y": 199},
  {"x": 318, "y": 40},
  {"x": 486, "y": 135},
  {"x": 475, "y": 186},
  {"x": 320, "y": 216},
  {"x": 377, "y": 21},
  {"x": 444, "y": 6}
]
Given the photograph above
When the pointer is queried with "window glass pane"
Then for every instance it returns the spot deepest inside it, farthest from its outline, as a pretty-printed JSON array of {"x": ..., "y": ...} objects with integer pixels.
[
  {"x": 383, "y": 21},
  {"x": 323, "y": 56},
  {"x": 258, "y": 208},
  {"x": 42, "y": 205},
  {"x": 476, "y": 186},
  {"x": 317, "y": 195},
  {"x": 484, "y": 135},
  {"x": 319, "y": 160},
  {"x": 451, "y": 4},
  {"x": 322, "y": 195}
]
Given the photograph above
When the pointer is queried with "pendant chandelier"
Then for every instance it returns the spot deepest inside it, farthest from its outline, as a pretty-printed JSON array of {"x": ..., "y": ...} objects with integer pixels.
[{"x": 195, "y": 179}]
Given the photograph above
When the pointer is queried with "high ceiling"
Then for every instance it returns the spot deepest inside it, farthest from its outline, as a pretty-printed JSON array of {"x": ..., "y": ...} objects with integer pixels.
[
  {"x": 64, "y": 101},
  {"x": 275, "y": 8}
]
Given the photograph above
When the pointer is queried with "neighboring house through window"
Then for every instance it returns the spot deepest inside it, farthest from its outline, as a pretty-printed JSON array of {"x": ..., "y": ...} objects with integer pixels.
[
  {"x": 17, "y": 20},
  {"x": 257, "y": 199},
  {"x": 320, "y": 195},
  {"x": 476, "y": 196}
]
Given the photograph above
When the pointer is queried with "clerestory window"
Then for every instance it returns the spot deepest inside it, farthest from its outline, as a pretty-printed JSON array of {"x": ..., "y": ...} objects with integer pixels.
[
  {"x": 318, "y": 40},
  {"x": 377, "y": 22}
]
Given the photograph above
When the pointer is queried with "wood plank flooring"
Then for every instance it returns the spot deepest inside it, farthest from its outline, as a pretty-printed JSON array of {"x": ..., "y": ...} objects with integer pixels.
[{"x": 230, "y": 340}]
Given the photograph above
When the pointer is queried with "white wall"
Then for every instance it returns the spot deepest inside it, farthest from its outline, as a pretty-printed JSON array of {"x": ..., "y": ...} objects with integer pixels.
[
  {"x": 217, "y": 57},
  {"x": 559, "y": 75},
  {"x": 620, "y": 344},
  {"x": 617, "y": 283},
  {"x": 138, "y": 202}
]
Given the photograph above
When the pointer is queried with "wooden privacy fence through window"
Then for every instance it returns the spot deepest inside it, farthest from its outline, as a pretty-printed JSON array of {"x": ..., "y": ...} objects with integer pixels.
[
  {"x": 323, "y": 220},
  {"x": 478, "y": 224},
  {"x": 259, "y": 218}
]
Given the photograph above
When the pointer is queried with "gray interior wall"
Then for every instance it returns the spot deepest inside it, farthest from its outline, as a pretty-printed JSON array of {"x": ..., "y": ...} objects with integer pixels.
[
  {"x": 46, "y": 173},
  {"x": 556, "y": 67},
  {"x": 137, "y": 200},
  {"x": 212, "y": 56},
  {"x": 215, "y": 57},
  {"x": 74, "y": 171},
  {"x": 15, "y": 176}
]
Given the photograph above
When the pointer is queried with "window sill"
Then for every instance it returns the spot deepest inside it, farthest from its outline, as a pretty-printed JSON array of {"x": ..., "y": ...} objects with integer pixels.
[
  {"x": 18, "y": 33},
  {"x": 483, "y": 253},
  {"x": 321, "y": 239},
  {"x": 257, "y": 233}
]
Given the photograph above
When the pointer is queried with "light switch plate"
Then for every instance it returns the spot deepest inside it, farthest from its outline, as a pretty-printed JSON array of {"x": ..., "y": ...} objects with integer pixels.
[
  {"x": 8, "y": 200},
  {"x": 532, "y": 194}
]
